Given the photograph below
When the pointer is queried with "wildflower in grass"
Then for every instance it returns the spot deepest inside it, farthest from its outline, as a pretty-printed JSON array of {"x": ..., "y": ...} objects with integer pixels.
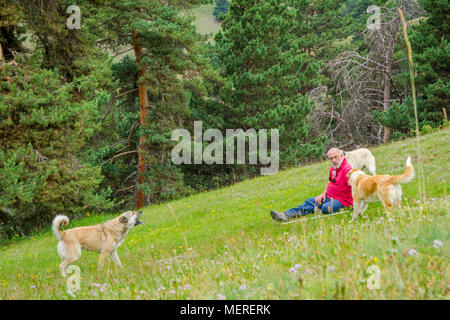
[
  {"x": 172, "y": 291},
  {"x": 308, "y": 271},
  {"x": 71, "y": 293},
  {"x": 186, "y": 287},
  {"x": 437, "y": 243},
  {"x": 33, "y": 287},
  {"x": 243, "y": 287},
  {"x": 221, "y": 296},
  {"x": 295, "y": 268},
  {"x": 103, "y": 287},
  {"x": 331, "y": 269},
  {"x": 412, "y": 252}
]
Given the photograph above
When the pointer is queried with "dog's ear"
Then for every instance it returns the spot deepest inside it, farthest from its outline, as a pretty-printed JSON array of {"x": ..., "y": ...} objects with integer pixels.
[{"x": 123, "y": 219}]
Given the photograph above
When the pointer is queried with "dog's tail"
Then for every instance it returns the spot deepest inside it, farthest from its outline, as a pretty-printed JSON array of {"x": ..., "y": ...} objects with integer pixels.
[
  {"x": 407, "y": 176},
  {"x": 59, "y": 219}
]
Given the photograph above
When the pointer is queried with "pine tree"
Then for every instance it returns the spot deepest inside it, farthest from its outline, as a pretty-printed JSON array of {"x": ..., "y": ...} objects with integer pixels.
[
  {"x": 430, "y": 41},
  {"x": 267, "y": 75},
  {"x": 320, "y": 24},
  {"x": 43, "y": 128},
  {"x": 168, "y": 69},
  {"x": 221, "y": 9},
  {"x": 50, "y": 104}
]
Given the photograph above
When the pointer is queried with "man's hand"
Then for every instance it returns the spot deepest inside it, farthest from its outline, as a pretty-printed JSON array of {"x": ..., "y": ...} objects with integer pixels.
[{"x": 319, "y": 199}]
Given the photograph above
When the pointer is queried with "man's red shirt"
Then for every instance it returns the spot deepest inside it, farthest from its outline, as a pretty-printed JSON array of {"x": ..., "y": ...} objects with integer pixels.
[{"x": 340, "y": 189}]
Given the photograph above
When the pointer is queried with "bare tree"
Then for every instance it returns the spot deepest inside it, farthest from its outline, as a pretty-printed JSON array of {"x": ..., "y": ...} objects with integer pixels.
[
  {"x": 325, "y": 108},
  {"x": 364, "y": 82}
]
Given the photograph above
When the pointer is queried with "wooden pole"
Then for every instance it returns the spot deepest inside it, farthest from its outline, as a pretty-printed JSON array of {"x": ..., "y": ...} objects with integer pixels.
[{"x": 420, "y": 176}]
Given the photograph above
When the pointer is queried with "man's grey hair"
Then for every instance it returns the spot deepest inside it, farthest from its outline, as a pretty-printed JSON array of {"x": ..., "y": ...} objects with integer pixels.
[{"x": 335, "y": 150}]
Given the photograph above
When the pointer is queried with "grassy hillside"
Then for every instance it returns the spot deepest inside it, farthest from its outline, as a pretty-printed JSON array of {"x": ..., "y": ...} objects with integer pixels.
[
  {"x": 205, "y": 22},
  {"x": 224, "y": 244}
]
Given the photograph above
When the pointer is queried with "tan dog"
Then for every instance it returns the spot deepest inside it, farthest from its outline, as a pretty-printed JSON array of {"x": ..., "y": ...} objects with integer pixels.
[
  {"x": 104, "y": 238},
  {"x": 386, "y": 188}
]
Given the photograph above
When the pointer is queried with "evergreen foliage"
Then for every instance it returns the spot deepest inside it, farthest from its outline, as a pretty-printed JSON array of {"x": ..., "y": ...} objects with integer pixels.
[{"x": 221, "y": 9}]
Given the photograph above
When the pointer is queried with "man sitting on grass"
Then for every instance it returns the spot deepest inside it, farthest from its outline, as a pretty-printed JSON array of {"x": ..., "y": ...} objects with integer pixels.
[{"x": 337, "y": 194}]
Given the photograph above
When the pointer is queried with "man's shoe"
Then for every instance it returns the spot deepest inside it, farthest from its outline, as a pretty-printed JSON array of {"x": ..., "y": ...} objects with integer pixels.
[{"x": 279, "y": 216}]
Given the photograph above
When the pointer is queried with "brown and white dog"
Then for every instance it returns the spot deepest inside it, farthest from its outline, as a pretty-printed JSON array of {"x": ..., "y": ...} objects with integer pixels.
[
  {"x": 104, "y": 238},
  {"x": 386, "y": 188}
]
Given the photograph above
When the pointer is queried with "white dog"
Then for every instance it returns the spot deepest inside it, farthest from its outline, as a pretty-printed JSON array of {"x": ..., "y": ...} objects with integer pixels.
[{"x": 361, "y": 158}]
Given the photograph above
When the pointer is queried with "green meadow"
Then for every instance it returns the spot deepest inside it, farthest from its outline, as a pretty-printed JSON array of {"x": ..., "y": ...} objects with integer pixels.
[
  {"x": 223, "y": 244},
  {"x": 205, "y": 22}
]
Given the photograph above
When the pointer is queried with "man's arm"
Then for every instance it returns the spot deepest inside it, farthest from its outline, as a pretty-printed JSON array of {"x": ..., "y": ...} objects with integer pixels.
[{"x": 320, "y": 198}]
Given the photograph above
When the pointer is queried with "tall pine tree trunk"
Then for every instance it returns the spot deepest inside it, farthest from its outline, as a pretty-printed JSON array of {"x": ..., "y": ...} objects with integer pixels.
[{"x": 143, "y": 103}]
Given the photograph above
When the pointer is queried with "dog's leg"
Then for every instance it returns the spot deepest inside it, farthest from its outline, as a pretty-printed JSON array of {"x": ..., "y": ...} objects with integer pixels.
[
  {"x": 356, "y": 206},
  {"x": 63, "y": 266},
  {"x": 61, "y": 251},
  {"x": 363, "y": 207},
  {"x": 388, "y": 205},
  {"x": 386, "y": 193},
  {"x": 103, "y": 255},
  {"x": 371, "y": 166},
  {"x": 68, "y": 255},
  {"x": 115, "y": 258},
  {"x": 398, "y": 199}
]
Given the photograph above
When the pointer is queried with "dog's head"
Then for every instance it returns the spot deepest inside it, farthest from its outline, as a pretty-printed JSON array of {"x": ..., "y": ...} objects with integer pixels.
[
  {"x": 352, "y": 174},
  {"x": 130, "y": 218}
]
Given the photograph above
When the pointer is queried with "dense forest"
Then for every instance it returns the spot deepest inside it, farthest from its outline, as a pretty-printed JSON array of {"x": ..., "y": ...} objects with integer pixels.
[{"x": 91, "y": 91}]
